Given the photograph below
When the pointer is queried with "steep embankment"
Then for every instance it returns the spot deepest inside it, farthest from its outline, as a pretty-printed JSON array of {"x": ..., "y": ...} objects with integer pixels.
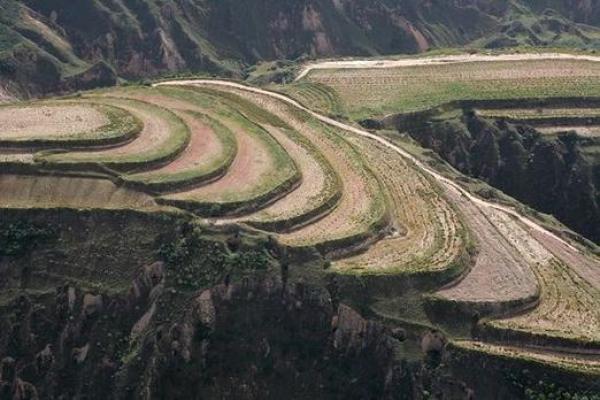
[{"x": 550, "y": 174}]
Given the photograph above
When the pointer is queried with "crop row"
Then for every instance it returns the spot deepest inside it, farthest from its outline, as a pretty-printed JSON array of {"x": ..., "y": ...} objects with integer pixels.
[
  {"x": 369, "y": 92},
  {"x": 427, "y": 234}
]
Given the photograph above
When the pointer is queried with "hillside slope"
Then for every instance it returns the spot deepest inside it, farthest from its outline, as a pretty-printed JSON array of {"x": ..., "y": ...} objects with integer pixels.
[{"x": 55, "y": 45}]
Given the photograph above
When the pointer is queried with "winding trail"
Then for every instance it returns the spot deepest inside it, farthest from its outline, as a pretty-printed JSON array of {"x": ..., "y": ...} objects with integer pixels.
[
  {"x": 330, "y": 121},
  {"x": 437, "y": 60}
]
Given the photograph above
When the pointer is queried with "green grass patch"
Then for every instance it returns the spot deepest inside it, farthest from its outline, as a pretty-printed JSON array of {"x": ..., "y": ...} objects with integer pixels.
[{"x": 374, "y": 92}]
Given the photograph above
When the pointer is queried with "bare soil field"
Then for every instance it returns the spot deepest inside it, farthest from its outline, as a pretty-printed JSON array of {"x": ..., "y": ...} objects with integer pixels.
[
  {"x": 361, "y": 204},
  {"x": 258, "y": 172},
  {"x": 201, "y": 154},
  {"x": 361, "y": 207},
  {"x": 360, "y": 210},
  {"x": 163, "y": 136},
  {"x": 252, "y": 164},
  {"x": 211, "y": 149},
  {"x": 499, "y": 274},
  {"x": 320, "y": 187},
  {"x": 49, "y": 121},
  {"x": 317, "y": 188}
]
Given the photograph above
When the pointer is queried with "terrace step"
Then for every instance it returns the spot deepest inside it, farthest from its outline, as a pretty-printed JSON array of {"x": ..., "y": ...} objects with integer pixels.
[
  {"x": 207, "y": 157},
  {"x": 261, "y": 173},
  {"x": 500, "y": 280},
  {"x": 317, "y": 195},
  {"x": 428, "y": 239},
  {"x": 65, "y": 124},
  {"x": 588, "y": 365},
  {"x": 361, "y": 216},
  {"x": 163, "y": 138},
  {"x": 46, "y": 191}
]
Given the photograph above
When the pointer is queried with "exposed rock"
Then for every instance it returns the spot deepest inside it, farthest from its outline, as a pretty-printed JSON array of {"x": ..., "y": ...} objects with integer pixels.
[{"x": 91, "y": 305}]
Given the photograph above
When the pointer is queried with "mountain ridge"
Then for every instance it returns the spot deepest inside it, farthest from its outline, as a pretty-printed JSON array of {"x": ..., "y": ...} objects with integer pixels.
[{"x": 50, "y": 46}]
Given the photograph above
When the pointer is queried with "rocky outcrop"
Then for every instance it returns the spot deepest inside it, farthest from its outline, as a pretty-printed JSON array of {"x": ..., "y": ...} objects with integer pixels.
[{"x": 257, "y": 338}]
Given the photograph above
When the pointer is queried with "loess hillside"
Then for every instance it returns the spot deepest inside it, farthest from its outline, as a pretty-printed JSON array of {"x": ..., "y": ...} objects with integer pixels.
[
  {"x": 217, "y": 199},
  {"x": 206, "y": 235},
  {"x": 57, "y": 45}
]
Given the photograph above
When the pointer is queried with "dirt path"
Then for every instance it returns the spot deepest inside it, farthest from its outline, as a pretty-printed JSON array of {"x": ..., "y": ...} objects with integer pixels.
[{"x": 438, "y": 60}]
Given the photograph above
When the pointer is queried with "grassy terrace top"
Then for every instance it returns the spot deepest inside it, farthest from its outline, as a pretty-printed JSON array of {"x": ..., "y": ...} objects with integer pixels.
[{"x": 368, "y": 92}]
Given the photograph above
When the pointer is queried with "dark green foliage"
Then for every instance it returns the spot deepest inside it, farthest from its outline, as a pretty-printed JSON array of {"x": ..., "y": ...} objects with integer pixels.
[
  {"x": 195, "y": 261},
  {"x": 18, "y": 238},
  {"x": 532, "y": 388}
]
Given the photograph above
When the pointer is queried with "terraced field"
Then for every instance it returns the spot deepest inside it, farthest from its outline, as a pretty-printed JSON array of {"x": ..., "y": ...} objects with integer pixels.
[
  {"x": 375, "y": 91},
  {"x": 525, "y": 286},
  {"x": 69, "y": 123},
  {"x": 340, "y": 200},
  {"x": 318, "y": 97},
  {"x": 426, "y": 236},
  {"x": 499, "y": 278},
  {"x": 163, "y": 138}
]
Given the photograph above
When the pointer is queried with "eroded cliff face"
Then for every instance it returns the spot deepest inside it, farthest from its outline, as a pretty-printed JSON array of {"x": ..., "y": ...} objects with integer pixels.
[
  {"x": 550, "y": 174},
  {"x": 257, "y": 339}
]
